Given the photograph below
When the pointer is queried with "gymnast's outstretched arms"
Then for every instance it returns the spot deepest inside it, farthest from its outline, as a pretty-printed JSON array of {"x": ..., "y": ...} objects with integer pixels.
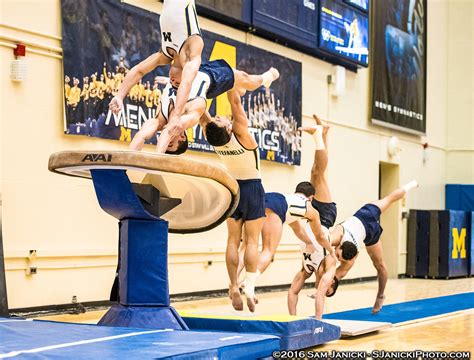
[{"x": 134, "y": 76}]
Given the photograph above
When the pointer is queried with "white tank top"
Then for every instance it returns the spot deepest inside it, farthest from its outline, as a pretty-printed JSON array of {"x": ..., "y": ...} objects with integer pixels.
[
  {"x": 296, "y": 207},
  {"x": 311, "y": 261},
  {"x": 199, "y": 89},
  {"x": 178, "y": 21},
  {"x": 354, "y": 231},
  {"x": 242, "y": 163}
]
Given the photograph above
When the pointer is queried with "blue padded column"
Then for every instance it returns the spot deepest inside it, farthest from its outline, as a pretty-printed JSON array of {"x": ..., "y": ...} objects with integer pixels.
[
  {"x": 460, "y": 197},
  {"x": 458, "y": 244},
  {"x": 471, "y": 245},
  {"x": 143, "y": 257},
  {"x": 449, "y": 244},
  {"x": 143, "y": 274},
  {"x": 418, "y": 243}
]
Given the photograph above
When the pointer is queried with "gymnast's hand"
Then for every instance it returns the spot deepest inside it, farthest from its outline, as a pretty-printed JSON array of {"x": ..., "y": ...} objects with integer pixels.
[
  {"x": 175, "y": 129},
  {"x": 116, "y": 104},
  {"x": 310, "y": 249}
]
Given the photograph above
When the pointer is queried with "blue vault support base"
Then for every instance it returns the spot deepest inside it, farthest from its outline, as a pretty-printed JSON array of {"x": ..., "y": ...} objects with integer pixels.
[
  {"x": 163, "y": 317},
  {"x": 143, "y": 257},
  {"x": 143, "y": 278}
]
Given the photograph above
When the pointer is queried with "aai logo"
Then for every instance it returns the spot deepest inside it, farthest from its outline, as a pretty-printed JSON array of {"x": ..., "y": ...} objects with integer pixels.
[
  {"x": 318, "y": 330},
  {"x": 97, "y": 158}
]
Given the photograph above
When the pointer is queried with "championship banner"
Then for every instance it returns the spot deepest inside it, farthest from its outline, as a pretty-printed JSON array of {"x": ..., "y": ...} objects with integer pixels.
[
  {"x": 103, "y": 39},
  {"x": 399, "y": 64}
]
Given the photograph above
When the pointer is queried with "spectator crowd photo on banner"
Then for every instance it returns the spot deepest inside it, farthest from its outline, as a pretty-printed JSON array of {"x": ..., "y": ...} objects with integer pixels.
[{"x": 114, "y": 37}]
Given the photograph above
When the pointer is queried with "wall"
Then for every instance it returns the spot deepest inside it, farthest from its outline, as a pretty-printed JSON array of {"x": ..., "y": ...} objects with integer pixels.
[
  {"x": 76, "y": 242},
  {"x": 460, "y": 92}
]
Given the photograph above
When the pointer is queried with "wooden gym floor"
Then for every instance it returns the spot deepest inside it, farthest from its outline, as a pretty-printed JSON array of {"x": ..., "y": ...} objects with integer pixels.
[{"x": 454, "y": 332}]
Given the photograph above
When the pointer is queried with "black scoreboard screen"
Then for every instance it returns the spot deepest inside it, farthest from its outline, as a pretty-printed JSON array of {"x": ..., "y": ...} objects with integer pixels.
[{"x": 234, "y": 12}]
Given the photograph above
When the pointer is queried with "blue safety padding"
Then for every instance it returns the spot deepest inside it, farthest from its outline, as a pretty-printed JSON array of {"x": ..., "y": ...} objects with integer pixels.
[
  {"x": 174, "y": 344},
  {"x": 411, "y": 310},
  {"x": 443, "y": 243},
  {"x": 422, "y": 243},
  {"x": 297, "y": 334},
  {"x": 460, "y": 197},
  {"x": 458, "y": 255},
  {"x": 116, "y": 195},
  {"x": 143, "y": 274},
  {"x": 11, "y": 318},
  {"x": 471, "y": 245},
  {"x": 143, "y": 317}
]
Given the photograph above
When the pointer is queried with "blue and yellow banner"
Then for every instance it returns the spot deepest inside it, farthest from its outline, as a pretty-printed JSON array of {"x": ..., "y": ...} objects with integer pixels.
[{"x": 103, "y": 39}]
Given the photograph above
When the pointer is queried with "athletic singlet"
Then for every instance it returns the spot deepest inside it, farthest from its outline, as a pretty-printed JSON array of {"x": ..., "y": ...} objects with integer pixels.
[
  {"x": 354, "y": 231},
  {"x": 178, "y": 21},
  {"x": 198, "y": 89},
  {"x": 242, "y": 163},
  {"x": 312, "y": 261},
  {"x": 296, "y": 207}
]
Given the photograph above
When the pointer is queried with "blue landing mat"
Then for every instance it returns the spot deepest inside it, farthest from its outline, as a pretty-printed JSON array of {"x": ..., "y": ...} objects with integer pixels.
[
  {"x": 411, "y": 310},
  {"x": 295, "y": 332},
  {"x": 52, "y": 340}
]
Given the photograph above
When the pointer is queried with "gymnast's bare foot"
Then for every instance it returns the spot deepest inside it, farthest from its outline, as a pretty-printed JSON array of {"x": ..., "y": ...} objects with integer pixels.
[
  {"x": 251, "y": 298},
  {"x": 251, "y": 302},
  {"x": 237, "y": 303},
  {"x": 378, "y": 304},
  {"x": 324, "y": 124}
]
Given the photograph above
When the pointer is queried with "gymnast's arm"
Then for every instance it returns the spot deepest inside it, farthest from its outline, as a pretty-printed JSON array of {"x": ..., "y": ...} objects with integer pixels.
[
  {"x": 314, "y": 221},
  {"x": 147, "y": 131},
  {"x": 344, "y": 267},
  {"x": 193, "y": 112},
  {"x": 134, "y": 75},
  {"x": 336, "y": 233},
  {"x": 329, "y": 264},
  {"x": 240, "y": 124},
  {"x": 301, "y": 234},
  {"x": 293, "y": 292}
]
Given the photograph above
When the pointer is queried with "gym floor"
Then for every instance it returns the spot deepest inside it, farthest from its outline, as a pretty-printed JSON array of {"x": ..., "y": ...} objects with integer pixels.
[{"x": 452, "y": 332}]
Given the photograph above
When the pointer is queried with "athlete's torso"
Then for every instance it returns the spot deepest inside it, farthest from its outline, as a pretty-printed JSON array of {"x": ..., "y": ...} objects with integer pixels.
[
  {"x": 242, "y": 163},
  {"x": 198, "y": 89},
  {"x": 354, "y": 231},
  {"x": 178, "y": 21},
  {"x": 296, "y": 207},
  {"x": 312, "y": 261}
]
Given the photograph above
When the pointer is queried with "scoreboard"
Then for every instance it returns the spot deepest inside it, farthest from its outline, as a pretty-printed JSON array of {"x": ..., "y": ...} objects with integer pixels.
[
  {"x": 334, "y": 30},
  {"x": 232, "y": 12},
  {"x": 344, "y": 31},
  {"x": 293, "y": 21}
]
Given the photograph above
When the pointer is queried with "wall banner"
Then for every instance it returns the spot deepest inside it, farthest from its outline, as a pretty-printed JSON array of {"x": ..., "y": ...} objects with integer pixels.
[
  {"x": 102, "y": 39},
  {"x": 399, "y": 64}
]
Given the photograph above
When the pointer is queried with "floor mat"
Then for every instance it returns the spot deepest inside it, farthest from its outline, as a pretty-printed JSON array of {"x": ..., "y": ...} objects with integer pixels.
[{"x": 411, "y": 310}]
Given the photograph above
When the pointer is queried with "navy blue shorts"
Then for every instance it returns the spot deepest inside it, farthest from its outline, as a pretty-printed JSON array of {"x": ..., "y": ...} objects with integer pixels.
[
  {"x": 369, "y": 215},
  {"x": 252, "y": 200},
  {"x": 222, "y": 77},
  {"x": 327, "y": 212},
  {"x": 276, "y": 202}
]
